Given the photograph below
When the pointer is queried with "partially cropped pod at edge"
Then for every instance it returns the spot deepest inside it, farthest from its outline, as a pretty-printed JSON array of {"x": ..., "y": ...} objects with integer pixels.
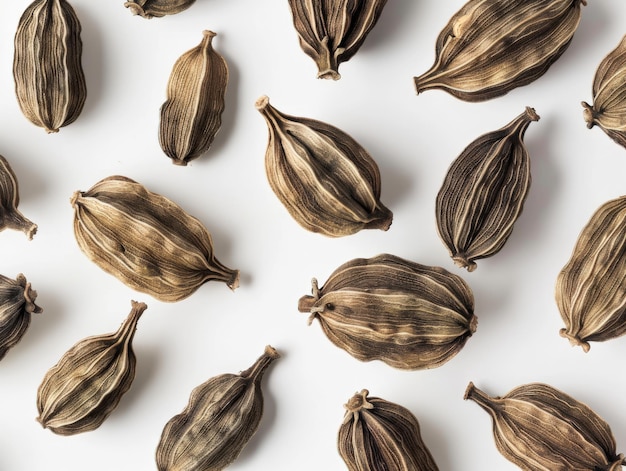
[{"x": 157, "y": 8}]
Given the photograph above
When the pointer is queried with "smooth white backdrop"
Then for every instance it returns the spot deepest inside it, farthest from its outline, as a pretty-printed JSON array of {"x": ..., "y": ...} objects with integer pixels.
[{"x": 414, "y": 139}]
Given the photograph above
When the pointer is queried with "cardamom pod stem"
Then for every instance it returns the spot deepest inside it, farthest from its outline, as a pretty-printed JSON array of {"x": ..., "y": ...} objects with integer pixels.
[
  {"x": 157, "y": 8},
  {"x": 10, "y": 216},
  {"x": 86, "y": 385}
]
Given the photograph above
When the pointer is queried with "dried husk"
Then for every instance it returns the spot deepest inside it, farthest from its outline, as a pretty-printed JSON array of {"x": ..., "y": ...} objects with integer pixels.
[
  {"x": 49, "y": 79},
  {"x": 609, "y": 96},
  {"x": 17, "y": 303},
  {"x": 86, "y": 385},
  {"x": 591, "y": 287},
  {"x": 192, "y": 114},
  {"x": 408, "y": 315},
  {"x": 540, "y": 428},
  {"x": 10, "y": 216},
  {"x": 157, "y": 8},
  {"x": 490, "y": 47},
  {"x": 332, "y": 31},
  {"x": 146, "y": 240},
  {"x": 378, "y": 435},
  {"x": 325, "y": 179},
  {"x": 222, "y": 415},
  {"x": 483, "y": 193}
]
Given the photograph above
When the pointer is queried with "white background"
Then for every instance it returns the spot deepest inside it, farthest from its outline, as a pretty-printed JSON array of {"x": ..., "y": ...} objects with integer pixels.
[{"x": 127, "y": 62}]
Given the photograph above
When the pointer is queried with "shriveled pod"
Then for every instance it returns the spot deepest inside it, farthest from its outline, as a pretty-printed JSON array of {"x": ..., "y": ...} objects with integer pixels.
[
  {"x": 192, "y": 114},
  {"x": 326, "y": 180},
  {"x": 146, "y": 240},
  {"x": 86, "y": 385},
  {"x": 47, "y": 68},
  {"x": 17, "y": 303},
  {"x": 483, "y": 193},
  {"x": 490, "y": 47},
  {"x": 222, "y": 415},
  {"x": 408, "y": 315},
  {"x": 380, "y": 435},
  {"x": 157, "y": 8},
  {"x": 539, "y": 428},
  {"x": 609, "y": 96},
  {"x": 10, "y": 216},
  {"x": 591, "y": 287},
  {"x": 332, "y": 31}
]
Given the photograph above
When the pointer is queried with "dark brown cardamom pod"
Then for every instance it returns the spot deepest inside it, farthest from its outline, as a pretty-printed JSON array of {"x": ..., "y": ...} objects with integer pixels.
[
  {"x": 407, "y": 315},
  {"x": 87, "y": 383},
  {"x": 332, "y": 31},
  {"x": 591, "y": 287},
  {"x": 325, "y": 179},
  {"x": 49, "y": 79},
  {"x": 10, "y": 216},
  {"x": 540, "y": 428},
  {"x": 609, "y": 96},
  {"x": 17, "y": 303},
  {"x": 222, "y": 415},
  {"x": 192, "y": 113},
  {"x": 483, "y": 193},
  {"x": 379, "y": 435},
  {"x": 490, "y": 47},
  {"x": 157, "y": 8}
]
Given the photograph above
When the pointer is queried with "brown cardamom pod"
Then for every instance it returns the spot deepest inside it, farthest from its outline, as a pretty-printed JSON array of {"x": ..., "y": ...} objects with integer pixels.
[
  {"x": 17, "y": 303},
  {"x": 379, "y": 435},
  {"x": 86, "y": 385},
  {"x": 49, "y": 79},
  {"x": 222, "y": 415},
  {"x": 325, "y": 179},
  {"x": 192, "y": 113},
  {"x": 407, "y": 315},
  {"x": 609, "y": 96},
  {"x": 591, "y": 287},
  {"x": 483, "y": 193},
  {"x": 490, "y": 47},
  {"x": 332, "y": 31},
  {"x": 157, "y": 8},
  {"x": 146, "y": 240},
  {"x": 539, "y": 428},
  {"x": 10, "y": 216}
]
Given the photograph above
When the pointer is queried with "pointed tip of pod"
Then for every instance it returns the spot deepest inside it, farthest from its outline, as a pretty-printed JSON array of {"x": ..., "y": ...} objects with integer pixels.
[
  {"x": 262, "y": 102},
  {"x": 233, "y": 284},
  {"x": 531, "y": 114},
  {"x": 469, "y": 391},
  {"x": 207, "y": 33},
  {"x": 77, "y": 194},
  {"x": 575, "y": 341},
  {"x": 137, "y": 10},
  {"x": 589, "y": 114},
  {"x": 329, "y": 74}
]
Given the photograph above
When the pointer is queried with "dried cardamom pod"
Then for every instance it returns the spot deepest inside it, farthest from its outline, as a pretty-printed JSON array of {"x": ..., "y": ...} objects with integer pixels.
[
  {"x": 222, "y": 415},
  {"x": 407, "y": 315},
  {"x": 17, "y": 303},
  {"x": 146, "y": 240},
  {"x": 157, "y": 8},
  {"x": 540, "y": 428},
  {"x": 379, "y": 435},
  {"x": 325, "y": 179},
  {"x": 10, "y": 216},
  {"x": 86, "y": 385},
  {"x": 609, "y": 96},
  {"x": 591, "y": 287},
  {"x": 483, "y": 193},
  {"x": 49, "y": 80},
  {"x": 192, "y": 113},
  {"x": 332, "y": 31},
  {"x": 490, "y": 47}
]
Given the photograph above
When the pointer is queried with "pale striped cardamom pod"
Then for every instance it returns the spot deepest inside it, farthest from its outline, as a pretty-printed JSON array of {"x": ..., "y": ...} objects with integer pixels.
[
  {"x": 192, "y": 113},
  {"x": 10, "y": 216},
  {"x": 146, "y": 240},
  {"x": 86, "y": 385},
  {"x": 157, "y": 8},
  {"x": 17, "y": 303},
  {"x": 49, "y": 80},
  {"x": 483, "y": 193},
  {"x": 407, "y": 315},
  {"x": 222, "y": 415},
  {"x": 591, "y": 287},
  {"x": 539, "y": 428},
  {"x": 332, "y": 31},
  {"x": 379, "y": 435},
  {"x": 609, "y": 96},
  {"x": 325, "y": 179},
  {"x": 490, "y": 47}
]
